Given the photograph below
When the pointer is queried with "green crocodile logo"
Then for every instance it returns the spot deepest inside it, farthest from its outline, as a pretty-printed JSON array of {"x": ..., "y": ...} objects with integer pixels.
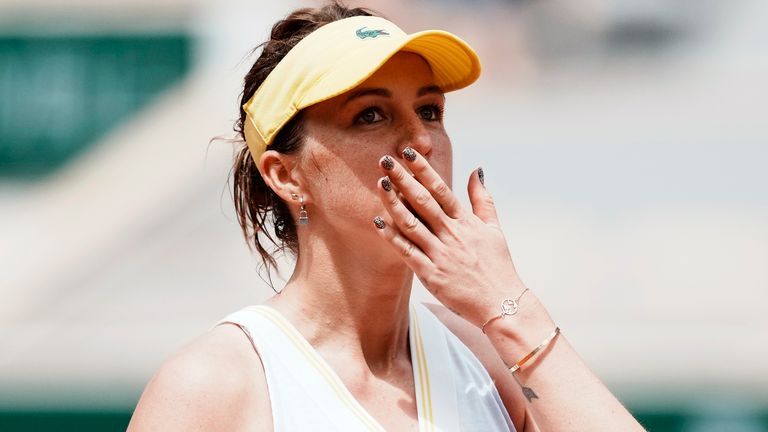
[{"x": 364, "y": 33}]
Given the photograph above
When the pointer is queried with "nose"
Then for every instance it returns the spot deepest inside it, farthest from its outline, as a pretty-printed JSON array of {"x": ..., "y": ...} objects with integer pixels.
[{"x": 415, "y": 134}]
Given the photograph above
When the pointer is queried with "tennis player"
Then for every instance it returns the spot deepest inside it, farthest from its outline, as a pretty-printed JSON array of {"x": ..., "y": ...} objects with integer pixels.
[{"x": 346, "y": 165}]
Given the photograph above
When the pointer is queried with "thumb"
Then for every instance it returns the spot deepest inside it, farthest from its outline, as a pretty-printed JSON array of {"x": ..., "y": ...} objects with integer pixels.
[{"x": 481, "y": 200}]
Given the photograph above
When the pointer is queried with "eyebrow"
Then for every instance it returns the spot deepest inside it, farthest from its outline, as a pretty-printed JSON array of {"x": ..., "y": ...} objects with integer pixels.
[
  {"x": 379, "y": 91},
  {"x": 374, "y": 91},
  {"x": 430, "y": 89}
]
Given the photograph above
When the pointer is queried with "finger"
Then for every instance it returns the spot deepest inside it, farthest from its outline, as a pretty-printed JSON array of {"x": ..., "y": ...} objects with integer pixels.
[
  {"x": 414, "y": 193},
  {"x": 408, "y": 251},
  {"x": 427, "y": 176},
  {"x": 481, "y": 200},
  {"x": 408, "y": 224}
]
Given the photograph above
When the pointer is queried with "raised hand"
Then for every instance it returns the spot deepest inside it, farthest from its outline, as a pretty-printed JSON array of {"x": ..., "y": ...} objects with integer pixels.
[{"x": 460, "y": 256}]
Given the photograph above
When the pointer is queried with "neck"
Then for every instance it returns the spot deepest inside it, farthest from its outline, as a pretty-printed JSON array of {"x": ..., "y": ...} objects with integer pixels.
[{"x": 344, "y": 298}]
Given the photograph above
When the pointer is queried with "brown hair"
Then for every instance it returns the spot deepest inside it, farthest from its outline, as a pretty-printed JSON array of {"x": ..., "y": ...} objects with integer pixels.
[{"x": 256, "y": 204}]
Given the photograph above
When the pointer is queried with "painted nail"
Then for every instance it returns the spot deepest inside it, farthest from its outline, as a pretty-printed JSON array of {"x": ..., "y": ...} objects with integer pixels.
[
  {"x": 481, "y": 175},
  {"x": 409, "y": 154},
  {"x": 387, "y": 163},
  {"x": 386, "y": 183},
  {"x": 379, "y": 222}
]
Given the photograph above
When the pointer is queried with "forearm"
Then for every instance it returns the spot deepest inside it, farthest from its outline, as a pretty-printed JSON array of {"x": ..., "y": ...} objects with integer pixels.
[
  {"x": 464, "y": 260},
  {"x": 562, "y": 392}
]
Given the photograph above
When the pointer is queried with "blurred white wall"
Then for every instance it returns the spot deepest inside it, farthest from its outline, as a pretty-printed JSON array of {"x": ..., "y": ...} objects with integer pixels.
[{"x": 628, "y": 170}]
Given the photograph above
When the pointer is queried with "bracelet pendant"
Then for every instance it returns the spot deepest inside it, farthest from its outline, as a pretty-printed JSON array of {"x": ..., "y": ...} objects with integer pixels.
[{"x": 509, "y": 307}]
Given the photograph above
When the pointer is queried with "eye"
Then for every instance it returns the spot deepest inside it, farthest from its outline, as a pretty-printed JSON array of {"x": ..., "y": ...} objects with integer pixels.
[
  {"x": 431, "y": 112},
  {"x": 369, "y": 116}
]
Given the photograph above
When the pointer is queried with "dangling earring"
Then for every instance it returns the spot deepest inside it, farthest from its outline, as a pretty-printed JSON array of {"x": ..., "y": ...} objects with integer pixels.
[{"x": 303, "y": 217}]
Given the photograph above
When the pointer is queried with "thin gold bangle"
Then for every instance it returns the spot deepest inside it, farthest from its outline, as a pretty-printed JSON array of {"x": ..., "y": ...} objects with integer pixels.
[
  {"x": 508, "y": 307},
  {"x": 541, "y": 346}
]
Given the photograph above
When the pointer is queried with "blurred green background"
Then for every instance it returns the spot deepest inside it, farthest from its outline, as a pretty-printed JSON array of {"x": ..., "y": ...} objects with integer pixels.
[
  {"x": 48, "y": 118},
  {"x": 679, "y": 418},
  {"x": 116, "y": 421}
]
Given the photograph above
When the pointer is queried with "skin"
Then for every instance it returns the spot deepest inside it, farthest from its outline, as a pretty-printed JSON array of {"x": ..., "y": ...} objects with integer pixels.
[{"x": 351, "y": 302}]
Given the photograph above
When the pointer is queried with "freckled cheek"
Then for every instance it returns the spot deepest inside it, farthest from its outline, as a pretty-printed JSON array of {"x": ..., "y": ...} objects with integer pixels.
[
  {"x": 345, "y": 190},
  {"x": 441, "y": 159},
  {"x": 348, "y": 170}
]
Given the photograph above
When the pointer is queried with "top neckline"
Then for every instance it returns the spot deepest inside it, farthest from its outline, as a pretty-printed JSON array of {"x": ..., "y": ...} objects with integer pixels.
[{"x": 418, "y": 366}]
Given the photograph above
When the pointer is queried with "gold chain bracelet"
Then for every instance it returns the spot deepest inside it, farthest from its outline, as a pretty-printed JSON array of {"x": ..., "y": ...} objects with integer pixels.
[{"x": 509, "y": 307}]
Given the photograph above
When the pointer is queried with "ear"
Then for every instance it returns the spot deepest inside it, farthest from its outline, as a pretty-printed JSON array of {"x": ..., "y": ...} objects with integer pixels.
[{"x": 279, "y": 173}]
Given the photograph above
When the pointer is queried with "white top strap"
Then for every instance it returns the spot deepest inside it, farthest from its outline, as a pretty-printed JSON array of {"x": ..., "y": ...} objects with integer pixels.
[
  {"x": 453, "y": 390},
  {"x": 305, "y": 393},
  {"x": 436, "y": 390}
]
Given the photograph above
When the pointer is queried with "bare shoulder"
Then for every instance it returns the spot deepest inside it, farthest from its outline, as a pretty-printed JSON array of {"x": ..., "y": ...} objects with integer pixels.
[
  {"x": 479, "y": 344},
  {"x": 207, "y": 385}
]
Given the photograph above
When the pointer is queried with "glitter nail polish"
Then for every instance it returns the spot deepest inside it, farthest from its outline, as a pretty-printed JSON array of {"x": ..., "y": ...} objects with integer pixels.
[
  {"x": 409, "y": 154},
  {"x": 379, "y": 222},
  {"x": 387, "y": 163},
  {"x": 386, "y": 184},
  {"x": 481, "y": 175}
]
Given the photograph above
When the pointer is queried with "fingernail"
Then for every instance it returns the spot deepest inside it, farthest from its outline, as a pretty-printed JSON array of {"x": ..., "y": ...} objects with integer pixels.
[
  {"x": 387, "y": 163},
  {"x": 409, "y": 154},
  {"x": 379, "y": 222},
  {"x": 386, "y": 183},
  {"x": 481, "y": 175}
]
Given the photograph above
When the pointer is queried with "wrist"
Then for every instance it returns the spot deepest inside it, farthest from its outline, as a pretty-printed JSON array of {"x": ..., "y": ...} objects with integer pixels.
[{"x": 529, "y": 324}]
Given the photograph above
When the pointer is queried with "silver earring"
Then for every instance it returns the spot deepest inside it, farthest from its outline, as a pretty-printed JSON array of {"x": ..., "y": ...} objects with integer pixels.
[{"x": 303, "y": 217}]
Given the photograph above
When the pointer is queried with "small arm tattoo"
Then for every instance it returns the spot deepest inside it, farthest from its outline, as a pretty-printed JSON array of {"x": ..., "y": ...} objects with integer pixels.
[{"x": 527, "y": 391}]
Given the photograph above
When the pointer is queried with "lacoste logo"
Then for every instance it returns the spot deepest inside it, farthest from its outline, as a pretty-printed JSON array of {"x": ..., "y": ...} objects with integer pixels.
[{"x": 363, "y": 33}]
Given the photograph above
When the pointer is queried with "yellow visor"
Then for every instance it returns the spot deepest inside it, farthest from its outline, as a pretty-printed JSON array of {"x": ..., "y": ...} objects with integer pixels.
[{"x": 336, "y": 58}]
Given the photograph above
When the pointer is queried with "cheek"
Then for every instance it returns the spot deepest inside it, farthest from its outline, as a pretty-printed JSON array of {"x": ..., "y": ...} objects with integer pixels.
[
  {"x": 340, "y": 175},
  {"x": 441, "y": 159}
]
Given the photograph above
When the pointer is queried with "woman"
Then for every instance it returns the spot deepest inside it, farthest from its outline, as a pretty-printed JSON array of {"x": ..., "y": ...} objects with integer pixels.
[{"x": 342, "y": 116}]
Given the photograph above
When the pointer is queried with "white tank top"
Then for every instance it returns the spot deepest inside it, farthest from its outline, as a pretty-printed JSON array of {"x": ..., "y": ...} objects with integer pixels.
[{"x": 453, "y": 390}]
